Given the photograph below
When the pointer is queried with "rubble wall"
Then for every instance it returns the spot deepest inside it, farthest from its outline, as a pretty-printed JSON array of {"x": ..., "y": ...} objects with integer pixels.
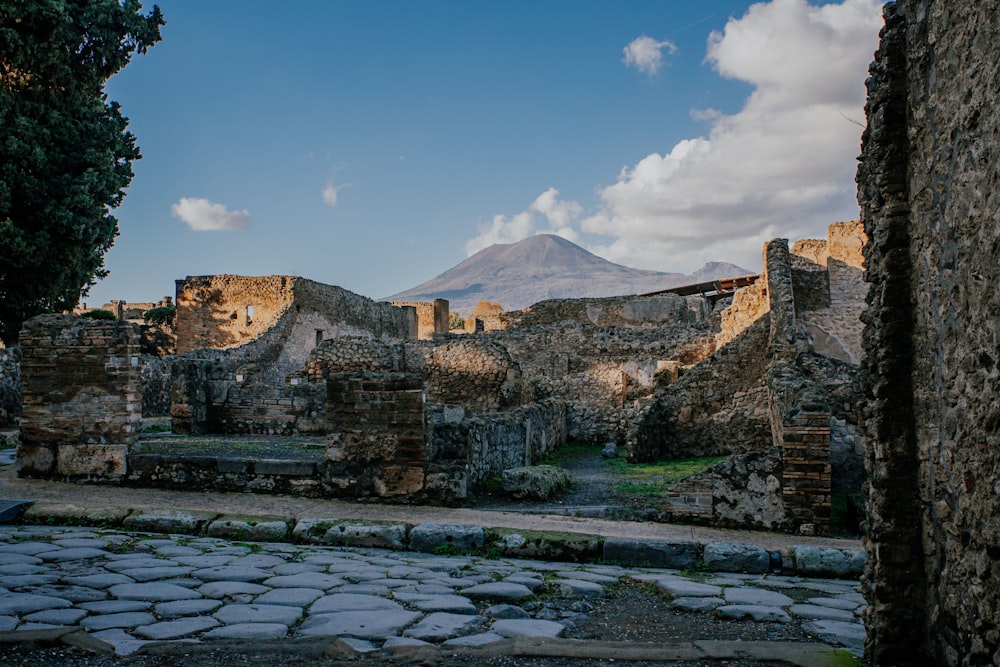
[
  {"x": 929, "y": 191},
  {"x": 10, "y": 384}
]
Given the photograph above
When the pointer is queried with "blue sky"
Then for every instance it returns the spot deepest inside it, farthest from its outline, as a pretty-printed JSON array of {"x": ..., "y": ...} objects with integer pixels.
[{"x": 374, "y": 144}]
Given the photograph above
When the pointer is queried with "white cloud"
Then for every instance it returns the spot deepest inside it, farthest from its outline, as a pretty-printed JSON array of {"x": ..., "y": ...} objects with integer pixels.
[
  {"x": 560, "y": 214},
  {"x": 782, "y": 166},
  {"x": 646, "y": 54},
  {"x": 203, "y": 215},
  {"x": 330, "y": 193}
]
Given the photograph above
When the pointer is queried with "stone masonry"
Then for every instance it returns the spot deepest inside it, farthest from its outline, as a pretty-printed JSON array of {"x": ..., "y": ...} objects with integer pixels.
[
  {"x": 82, "y": 400},
  {"x": 929, "y": 190}
]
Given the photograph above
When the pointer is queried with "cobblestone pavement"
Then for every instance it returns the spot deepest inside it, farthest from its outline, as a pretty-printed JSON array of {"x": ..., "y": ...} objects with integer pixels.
[{"x": 130, "y": 589}]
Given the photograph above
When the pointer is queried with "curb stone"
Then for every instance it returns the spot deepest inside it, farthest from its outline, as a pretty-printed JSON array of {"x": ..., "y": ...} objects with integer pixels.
[{"x": 800, "y": 559}]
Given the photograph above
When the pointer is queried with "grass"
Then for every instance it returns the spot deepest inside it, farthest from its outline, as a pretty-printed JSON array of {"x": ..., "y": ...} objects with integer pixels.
[
  {"x": 569, "y": 452},
  {"x": 654, "y": 479}
]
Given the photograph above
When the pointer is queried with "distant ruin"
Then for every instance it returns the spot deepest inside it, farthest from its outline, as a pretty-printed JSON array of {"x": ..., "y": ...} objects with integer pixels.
[{"x": 411, "y": 411}]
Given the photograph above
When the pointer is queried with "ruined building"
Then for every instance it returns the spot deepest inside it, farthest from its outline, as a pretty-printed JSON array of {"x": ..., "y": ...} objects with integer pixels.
[{"x": 929, "y": 190}]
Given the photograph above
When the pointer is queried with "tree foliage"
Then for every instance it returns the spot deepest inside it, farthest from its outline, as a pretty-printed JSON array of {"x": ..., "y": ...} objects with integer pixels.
[
  {"x": 65, "y": 152},
  {"x": 160, "y": 315}
]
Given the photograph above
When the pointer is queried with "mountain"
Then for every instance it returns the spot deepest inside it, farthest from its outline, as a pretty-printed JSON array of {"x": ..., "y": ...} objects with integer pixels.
[{"x": 547, "y": 267}]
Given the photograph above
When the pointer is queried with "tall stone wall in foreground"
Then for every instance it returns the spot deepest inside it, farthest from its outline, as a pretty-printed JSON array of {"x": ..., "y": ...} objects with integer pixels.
[{"x": 929, "y": 189}]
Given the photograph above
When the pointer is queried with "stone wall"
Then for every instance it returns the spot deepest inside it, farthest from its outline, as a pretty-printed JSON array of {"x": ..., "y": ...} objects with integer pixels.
[
  {"x": 225, "y": 311},
  {"x": 432, "y": 317},
  {"x": 154, "y": 374},
  {"x": 610, "y": 311},
  {"x": 929, "y": 191},
  {"x": 10, "y": 384},
  {"x": 82, "y": 402}
]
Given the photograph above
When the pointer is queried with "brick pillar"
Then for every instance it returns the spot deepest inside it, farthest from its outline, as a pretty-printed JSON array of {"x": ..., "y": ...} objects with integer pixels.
[
  {"x": 805, "y": 448},
  {"x": 378, "y": 444},
  {"x": 82, "y": 397},
  {"x": 440, "y": 316}
]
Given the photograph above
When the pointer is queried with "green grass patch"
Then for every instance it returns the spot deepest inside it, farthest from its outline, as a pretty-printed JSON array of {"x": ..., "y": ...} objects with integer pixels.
[
  {"x": 653, "y": 479},
  {"x": 569, "y": 452}
]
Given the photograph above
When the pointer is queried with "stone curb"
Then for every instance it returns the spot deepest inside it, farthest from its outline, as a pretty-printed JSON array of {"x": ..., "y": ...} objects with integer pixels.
[
  {"x": 454, "y": 539},
  {"x": 800, "y": 654}
]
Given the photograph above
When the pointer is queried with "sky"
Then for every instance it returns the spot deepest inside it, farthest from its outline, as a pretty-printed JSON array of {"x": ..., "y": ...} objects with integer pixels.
[{"x": 374, "y": 144}]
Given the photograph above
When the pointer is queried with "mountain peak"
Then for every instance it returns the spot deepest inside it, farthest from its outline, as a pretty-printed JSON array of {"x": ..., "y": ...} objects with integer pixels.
[{"x": 545, "y": 266}]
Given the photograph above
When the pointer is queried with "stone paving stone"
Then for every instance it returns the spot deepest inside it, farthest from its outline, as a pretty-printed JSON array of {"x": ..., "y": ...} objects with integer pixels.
[
  {"x": 853, "y": 597},
  {"x": 293, "y": 597},
  {"x": 25, "y": 603},
  {"x": 407, "y": 572},
  {"x": 20, "y": 559},
  {"x": 506, "y": 611},
  {"x": 286, "y": 569},
  {"x": 128, "y": 619},
  {"x": 137, "y": 563},
  {"x": 360, "y": 575},
  {"x": 757, "y": 596},
  {"x": 439, "y": 626},
  {"x": 527, "y": 627},
  {"x": 8, "y": 623},
  {"x": 57, "y": 616},
  {"x": 389, "y": 583},
  {"x": 183, "y": 627},
  {"x": 232, "y": 614},
  {"x": 259, "y": 560},
  {"x": 221, "y": 589},
  {"x": 154, "y": 573},
  {"x": 820, "y": 613},
  {"x": 851, "y": 635},
  {"x": 363, "y": 589},
  {"x": 392, "y": 642},
  {"x": 352, "y": 602},
  {"x": 231, "y": 573},
  {"x": 248, "y": 631},
  {"x": 425, "y": 589},
  {"x": 362, "y": 624},
  {"x": 74, "y": 553},
  {"x": 474, "y": 640},
  {"x": 359, "y": 645},
  {"x": 498, "y": 591},
  {"x": 583, "y": 575},
  {"x": 682, "y": 588},
  {"x": 124, "y": 643},
  {"x": 102, "y": 581},
  {"x": 211, "y": 560},
  {"x": 20, "y": 570},
  {"x": 179, "y": 608},
  {"x": 575, "y": 588},
  {"x": 153, "y": 592},
  {"x": 755, "y": 612},
  {"x": 115, "y": 606},
  {"x": 29, "y": 548},
  {"x": 22, "y": 581},
  {"x": 71, "y": 593},
  {"x": 455, "y": 604},
  {"x": 318, "y": 580},
  {"x": 696, "y": 603},
  {"x": 71, "y": 542},
  {"x": 533, "y": 582},
  {"x": 174, "y": 550},
  {"x": 834, "y": 603},
  {"x": 27, "y": 627}
]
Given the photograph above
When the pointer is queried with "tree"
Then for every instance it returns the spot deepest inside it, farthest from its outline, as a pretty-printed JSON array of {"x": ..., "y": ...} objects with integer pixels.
[{"x": 65, "y": 152}]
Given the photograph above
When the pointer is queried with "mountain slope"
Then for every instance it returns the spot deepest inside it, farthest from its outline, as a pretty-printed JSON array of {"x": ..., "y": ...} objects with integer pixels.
[{"x": 546, "y": 267}]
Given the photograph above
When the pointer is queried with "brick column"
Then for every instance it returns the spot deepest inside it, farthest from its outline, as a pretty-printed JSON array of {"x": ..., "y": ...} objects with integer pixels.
[
  {"x": 378, "y": 444},
  {"x": 805, "y": 448},
  {"x": 82, "y": 397}
]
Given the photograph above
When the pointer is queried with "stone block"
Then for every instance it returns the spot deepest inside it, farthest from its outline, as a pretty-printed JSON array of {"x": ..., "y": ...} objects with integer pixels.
[
  {"x": 727, "y": 557},
  {"x": 35, "y": 460},
  {"x": 429, "y": 536},
  {"x": 626, "y": 551},
  {"x": 537, "y": 482},
  {"x": 93, "y": 461}
]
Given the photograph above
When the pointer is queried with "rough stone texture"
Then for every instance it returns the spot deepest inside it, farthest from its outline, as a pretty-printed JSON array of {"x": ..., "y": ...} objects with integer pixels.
[
  {"x": 929, "y": 192},
  {"x": 10, "y": 384},
  {"x": 538, "y": 482},
  {"x": 82, "y": 402}
]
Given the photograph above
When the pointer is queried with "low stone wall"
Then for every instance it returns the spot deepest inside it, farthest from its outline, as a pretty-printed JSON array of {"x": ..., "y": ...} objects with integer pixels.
[
  {"x": 611, "y": 311},
  {"x": 82, "y": 401},
  {"x": 10, "y": 384},
  {"x": 265, "y": 410},
  {"x": 154, "y": 373}
]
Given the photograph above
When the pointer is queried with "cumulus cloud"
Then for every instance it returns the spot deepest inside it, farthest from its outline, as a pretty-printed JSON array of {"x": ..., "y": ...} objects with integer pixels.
[
  {"x": 646, "y": 54},
  {"x": 203, "y": 215},
  {"x": 330, "y": 193},
  {"x": 560, "y": 215},
  {"x": 782, "y": 166}
]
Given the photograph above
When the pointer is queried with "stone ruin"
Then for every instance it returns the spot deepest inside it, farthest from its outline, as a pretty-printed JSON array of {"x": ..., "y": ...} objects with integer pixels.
[{"x": 766, "y": 376}]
